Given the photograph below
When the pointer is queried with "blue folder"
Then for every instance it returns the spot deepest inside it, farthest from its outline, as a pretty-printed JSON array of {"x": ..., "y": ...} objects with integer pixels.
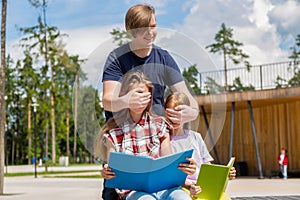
[{"x": 147, "y": 174}]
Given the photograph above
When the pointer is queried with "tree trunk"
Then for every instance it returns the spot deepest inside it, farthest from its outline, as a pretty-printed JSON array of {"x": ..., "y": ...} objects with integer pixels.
[
  {"x": 2, "y": 94},
  {"x": 13, "y": 150},
  {"x": 75, "y": 117},
  {"x": 47, "y": 123},
  {"x": 46, "y": 143},
  {"x": 53, "y": 129},
  {"x": 225, "y": 71},
  {"x": 53, "y": 118},
  {"x": 68, "y": 132},
  {"x": 29, "y": 132}
]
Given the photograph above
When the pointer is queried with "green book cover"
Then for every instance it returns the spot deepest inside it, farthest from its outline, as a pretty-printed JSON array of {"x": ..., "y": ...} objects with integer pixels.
[{"x": 213, "y": 180}]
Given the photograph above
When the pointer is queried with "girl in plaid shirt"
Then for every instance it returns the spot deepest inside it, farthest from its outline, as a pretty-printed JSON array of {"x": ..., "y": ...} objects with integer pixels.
[{"x": 139, "y": 132}]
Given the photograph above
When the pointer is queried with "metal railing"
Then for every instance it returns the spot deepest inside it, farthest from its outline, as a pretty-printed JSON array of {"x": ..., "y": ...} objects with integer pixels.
[{"x": 259, "y": 76}]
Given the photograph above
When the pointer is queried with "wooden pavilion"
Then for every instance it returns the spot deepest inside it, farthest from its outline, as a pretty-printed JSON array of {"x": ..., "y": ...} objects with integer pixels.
[{"x": 252, "y": 126}]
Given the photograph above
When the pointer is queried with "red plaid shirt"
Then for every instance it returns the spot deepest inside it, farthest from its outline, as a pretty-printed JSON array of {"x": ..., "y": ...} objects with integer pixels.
[{"x": 143, "y": 138}]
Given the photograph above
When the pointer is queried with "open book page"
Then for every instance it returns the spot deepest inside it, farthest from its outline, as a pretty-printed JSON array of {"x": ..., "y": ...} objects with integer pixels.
[{"x": 231, "y": 162}]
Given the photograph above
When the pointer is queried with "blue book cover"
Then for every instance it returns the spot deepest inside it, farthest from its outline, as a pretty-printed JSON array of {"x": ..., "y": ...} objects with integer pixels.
[{"x": 145, "y": 173}]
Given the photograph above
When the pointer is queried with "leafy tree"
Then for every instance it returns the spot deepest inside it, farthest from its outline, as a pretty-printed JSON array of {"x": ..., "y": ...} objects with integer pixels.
[
  {"x": 280, "y": 82},
  {"x": 57, "y": 71},
  {"x": 33, "y": 42},
  {"x": 237, "y": 86},
  {"x": 28, "y": 80},
  {"x": 14, "y": 119},
  {"x": 213, "y": 87},
  {"x": 295, "y": 56},
  {"x": 70, "y": 77},
  {"x": 190, "y": 74},
  {"x": 295, "y": 50},
  {"x": 120, "y": 36},
  {"x": 230, "y": 48},
  {"x": 294, "y": 66},
  {"x": 295, "y": 80},
  {"x": 2, "y": 93},
  {"x": 90, "y": 115},
  {"x": 46, "y": 70},
  {"x": 10, "y": 91}
]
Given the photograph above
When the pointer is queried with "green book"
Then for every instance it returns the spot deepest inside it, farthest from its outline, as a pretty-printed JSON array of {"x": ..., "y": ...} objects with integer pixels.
[{"x": 213, "y": 180}]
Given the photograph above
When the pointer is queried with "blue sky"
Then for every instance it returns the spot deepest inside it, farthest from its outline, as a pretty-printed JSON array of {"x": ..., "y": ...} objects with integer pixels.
[
  {"x": 267, "y": 28},
  {"x": 74, "y": 14}
]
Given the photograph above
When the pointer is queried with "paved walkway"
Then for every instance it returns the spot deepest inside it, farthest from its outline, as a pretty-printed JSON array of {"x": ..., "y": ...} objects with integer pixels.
[
  {"x": 253, "y": 187},
  {"x": 29, "y": 188},
  {"x": 30, "y": 168}
]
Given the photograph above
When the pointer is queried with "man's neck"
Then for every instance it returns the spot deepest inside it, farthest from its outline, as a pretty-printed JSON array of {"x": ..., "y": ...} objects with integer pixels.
[{"x": 141, "y": 52}]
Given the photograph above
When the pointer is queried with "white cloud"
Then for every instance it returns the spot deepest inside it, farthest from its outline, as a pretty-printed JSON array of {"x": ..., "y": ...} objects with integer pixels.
[
  {"x": 260, "y": 14},
  {"x": 85, "y": 40},
  {"x": 250, "y": 21},
  {"x": 287, "y": 17},
  {"x": 93, "y": 44},
  {"x": 81, "y": 41},
  {"x": 185, "y": 50},
  {"x": 261, "y": 45},
  {"x": 155, "y": 3},
  {"x": 263, "y": 26},
  {"x": 14, "y": 50},
  {"x": 261, "y": 39},
  {"x": 205, "y": 18}
]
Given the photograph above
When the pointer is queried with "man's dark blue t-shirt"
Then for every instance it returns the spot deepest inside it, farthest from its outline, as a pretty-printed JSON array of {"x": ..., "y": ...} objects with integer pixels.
[{"x": 159, "y": 67}]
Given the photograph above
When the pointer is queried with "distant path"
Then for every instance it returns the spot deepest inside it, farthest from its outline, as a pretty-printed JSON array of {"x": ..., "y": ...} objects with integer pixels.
[
  {"x": 251, "y": 187},
  {"x": 29, "y": 188},
  {"x": 30, "y": 168}
]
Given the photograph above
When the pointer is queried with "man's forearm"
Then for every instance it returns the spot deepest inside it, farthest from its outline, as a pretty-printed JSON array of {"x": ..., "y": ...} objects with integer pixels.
[
  {"x": 114, "y": 105},
  {"x": 195, "y": 106}
]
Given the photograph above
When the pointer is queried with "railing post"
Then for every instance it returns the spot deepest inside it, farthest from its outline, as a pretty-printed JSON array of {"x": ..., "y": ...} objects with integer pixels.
[
  {"x": 260, "y": 72},
  {"x": 263, "y": 79},
  {"x": 200, "y": 80}
]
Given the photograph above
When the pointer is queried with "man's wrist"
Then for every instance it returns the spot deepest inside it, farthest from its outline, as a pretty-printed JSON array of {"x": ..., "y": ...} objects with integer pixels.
[
  {"x": 124, "y": 102},
  {"x": 195, "y": 112}
]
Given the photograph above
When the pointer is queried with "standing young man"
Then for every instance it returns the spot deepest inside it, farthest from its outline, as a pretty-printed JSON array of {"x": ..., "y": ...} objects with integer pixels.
[{"x": 142, "y": 55}]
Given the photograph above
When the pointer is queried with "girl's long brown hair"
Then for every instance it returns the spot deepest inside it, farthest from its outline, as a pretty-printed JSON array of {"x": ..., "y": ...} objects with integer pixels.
[{"x": 129, "y": 80}]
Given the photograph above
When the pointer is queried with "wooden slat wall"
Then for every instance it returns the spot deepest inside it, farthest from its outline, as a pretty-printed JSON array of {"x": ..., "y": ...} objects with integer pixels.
[{"x": 277, "y": 125}]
